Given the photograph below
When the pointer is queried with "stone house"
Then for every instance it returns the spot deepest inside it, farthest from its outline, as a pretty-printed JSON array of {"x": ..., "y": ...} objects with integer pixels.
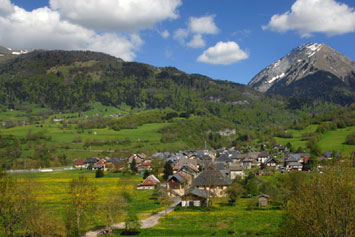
[
  {"x": 263, "y": 200},
  {"x": 212, "y": 180}
]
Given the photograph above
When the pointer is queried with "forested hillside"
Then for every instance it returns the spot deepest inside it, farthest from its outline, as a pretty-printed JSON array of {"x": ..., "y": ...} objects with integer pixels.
[{"x": 73, "y": 80}]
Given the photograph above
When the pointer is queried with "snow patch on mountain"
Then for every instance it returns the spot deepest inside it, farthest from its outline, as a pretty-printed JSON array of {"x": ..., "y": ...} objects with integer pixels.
[{"x": 277, "y": 77}]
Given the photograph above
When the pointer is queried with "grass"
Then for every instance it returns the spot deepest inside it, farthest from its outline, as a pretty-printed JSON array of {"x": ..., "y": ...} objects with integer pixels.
[
  {"x": 330, "y": 141},
  {"x": 53, "y": 191},
  {"x": 144, "y": 138},
  {"x": 222, "y": 220}
]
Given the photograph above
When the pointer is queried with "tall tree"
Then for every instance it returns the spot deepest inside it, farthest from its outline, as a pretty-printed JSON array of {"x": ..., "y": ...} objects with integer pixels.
[
  {"x": 112, "y": 207},
  {"x": 168, "y": 170},
  {"x": 82, "y": 197},
  {"x": 16, "y": 200}
]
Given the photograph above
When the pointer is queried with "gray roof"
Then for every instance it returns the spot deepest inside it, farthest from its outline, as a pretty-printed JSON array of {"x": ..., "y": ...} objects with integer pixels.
[
  {"x": 177, "y": 177},
  {"x": 263, "y": 154},
  {"x": 263, "y": 195},
  {"x": 91, "y": 160},
  {"x": 211, "y": 177},
  {"x": 241, "y": 156},
  {"x": 117, "y": 160},
  {"x": 235, "y": 155},
  {"x": 270, "y": 160},
  {"x": 199, "y": 192},
  {"x": 223, "y": 158},
  {"x": 220, "y": 166},
  {"x": 205, "y": 157},
  {"x": 294, "y": 164}
]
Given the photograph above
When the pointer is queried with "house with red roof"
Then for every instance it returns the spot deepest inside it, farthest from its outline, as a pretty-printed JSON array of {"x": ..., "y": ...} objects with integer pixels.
[
  {"x": 149, "y": 183},
  {"x": 145, "y": 165},
  {"x": 80, "y": 164}
]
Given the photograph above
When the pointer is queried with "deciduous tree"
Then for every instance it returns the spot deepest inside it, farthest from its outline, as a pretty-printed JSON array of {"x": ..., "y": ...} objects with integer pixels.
[{"x": 82, "y": 197}]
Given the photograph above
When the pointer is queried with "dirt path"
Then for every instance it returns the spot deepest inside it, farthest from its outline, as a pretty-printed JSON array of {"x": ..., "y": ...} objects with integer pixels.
[{"x": 146, "y": 223}]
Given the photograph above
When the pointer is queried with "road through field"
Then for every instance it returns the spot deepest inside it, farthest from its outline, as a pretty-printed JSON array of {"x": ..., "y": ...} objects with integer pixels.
[{"x": 146, "y": 223}]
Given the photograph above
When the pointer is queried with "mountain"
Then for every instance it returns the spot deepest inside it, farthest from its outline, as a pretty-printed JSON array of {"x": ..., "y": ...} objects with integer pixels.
[
  {"x": 314, "y": 71},
  {"x": 7, "y": 51},
  {"x": 75, "y": 80}
]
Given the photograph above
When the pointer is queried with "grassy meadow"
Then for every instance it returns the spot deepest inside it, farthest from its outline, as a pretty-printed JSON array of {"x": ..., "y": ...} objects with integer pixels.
[
  {"x": 330, "y": 141},
  {"x": 222, "y": 220},
  {"x": 52, "y": 191},
  {"x": 144, "y": 138}
]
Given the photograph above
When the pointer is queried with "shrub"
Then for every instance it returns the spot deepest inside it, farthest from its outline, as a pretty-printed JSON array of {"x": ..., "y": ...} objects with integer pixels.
[
  {"x": 350, "y": 139},
  {"x": 99, "y": 173},
  {"x": 252, "y": 203}
]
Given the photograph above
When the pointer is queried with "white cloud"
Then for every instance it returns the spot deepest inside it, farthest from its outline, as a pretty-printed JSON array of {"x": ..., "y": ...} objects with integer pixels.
[
  {"x": 116, "y": 45},
  {"x": 224, "y": 53},
  {"x": 165, "y": 34},
  {"x": 203, "y": 25},
  {"x": 311, "y": 16},
  {"x": 6, "y": 7},
  {"x": 121, "y": 15},
  {"x": 196, "y": 28},
  {"x": 109, "y": 26},
  {"x": 197, "y": 42},
  {"x": 43, "y": 29},
  {"x": 180, "y": 35}
]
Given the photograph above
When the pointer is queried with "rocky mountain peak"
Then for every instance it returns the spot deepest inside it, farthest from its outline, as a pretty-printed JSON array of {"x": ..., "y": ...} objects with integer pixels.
[{"x": 302, "y": 61}]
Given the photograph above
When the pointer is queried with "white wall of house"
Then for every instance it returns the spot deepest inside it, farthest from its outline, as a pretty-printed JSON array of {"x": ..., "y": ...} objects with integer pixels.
[{"x": 234, "y": 174}]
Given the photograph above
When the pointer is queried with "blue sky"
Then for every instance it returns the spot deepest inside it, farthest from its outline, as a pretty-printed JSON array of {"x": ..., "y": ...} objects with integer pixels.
[{"x": 226, "y": 39}]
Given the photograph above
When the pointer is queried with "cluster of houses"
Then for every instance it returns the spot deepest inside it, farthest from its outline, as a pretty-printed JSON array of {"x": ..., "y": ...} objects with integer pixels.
[
  {"x": 108, "y": 163},
  {"x": 198, "y": 175}
]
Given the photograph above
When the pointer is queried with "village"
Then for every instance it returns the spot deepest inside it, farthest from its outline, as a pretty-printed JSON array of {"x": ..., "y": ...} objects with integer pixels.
[{"x": 197, "y": 176}]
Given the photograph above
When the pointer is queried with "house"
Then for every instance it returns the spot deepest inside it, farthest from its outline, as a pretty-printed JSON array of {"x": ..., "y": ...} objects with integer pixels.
[
  {"x": 79, "y": 164},
  {"x": 295, "y": 161},
  {"x": 145, "y": 165},
  {"x": 263, "y": 200},
  {"x": 100, "y": 165},
  {"x": 176, "y": 185},
  {"x": 149, "y": 183},
  {"x": 195, "y": 198},
  {"x": 252, "y": 155},
  {"x": 270, "y": 162},
  {"x": 222, "y": 168},
  {"x": 234, "y": 156},
  {"x": 236, "y": 170},
  {"x": 238, "y": 157},
  {"x": 279, "y": 148},
  {"x": 90, "y": 161},
  {"x": 294, "y": 166},
  {"x": 184, "y": 161},
  {"x": 116, "y": 163},
  {"x": 223, "y": 159},
  {"x": 138, "y": 157},
  {"x": 262, "y": 157},
  {"x": 247, "y": 163},
  {"x": 212, "y": 180}
]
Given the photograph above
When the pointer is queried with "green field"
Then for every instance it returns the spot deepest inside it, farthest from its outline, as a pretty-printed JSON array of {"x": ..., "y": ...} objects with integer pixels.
[
  {"x": 222, "y": 220},
  {"x": 145, "y": 138},
  {"x": 330, "y": 141},
  {"x": 53, "y": 191}
]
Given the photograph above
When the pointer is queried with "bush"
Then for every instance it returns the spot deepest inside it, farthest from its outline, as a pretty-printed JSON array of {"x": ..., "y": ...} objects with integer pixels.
[
  {"x": 99, "y": 173},
  {"x": 252, "y": 187},
  {"x": 252, "y": 203},
  {"x": 132, "y": 224},
  {"x": 350, "y": 139}
]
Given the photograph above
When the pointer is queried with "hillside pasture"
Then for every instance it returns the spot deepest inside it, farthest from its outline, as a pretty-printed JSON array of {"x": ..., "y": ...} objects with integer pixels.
[{"x": 333, "y": 140}]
